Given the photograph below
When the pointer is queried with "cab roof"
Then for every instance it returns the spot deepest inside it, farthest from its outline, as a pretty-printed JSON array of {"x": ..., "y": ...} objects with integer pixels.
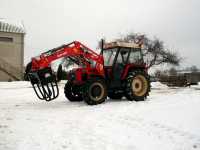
[{"x": 121, "y": 44}]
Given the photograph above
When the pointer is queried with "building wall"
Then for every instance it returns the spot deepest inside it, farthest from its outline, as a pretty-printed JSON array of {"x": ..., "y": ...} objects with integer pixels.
[
  {"x": 12, "y": 52},
  {"x": 5, "y": 77}
]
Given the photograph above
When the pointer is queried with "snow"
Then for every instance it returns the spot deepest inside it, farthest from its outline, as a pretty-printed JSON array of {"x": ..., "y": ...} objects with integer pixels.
[
  {"x": 168, "y": 120},
  {"x": 158, "y": 85}
]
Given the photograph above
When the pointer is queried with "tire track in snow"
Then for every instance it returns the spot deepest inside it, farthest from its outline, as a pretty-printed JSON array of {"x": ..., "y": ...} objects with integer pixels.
[{"x": 180, "y": 139}]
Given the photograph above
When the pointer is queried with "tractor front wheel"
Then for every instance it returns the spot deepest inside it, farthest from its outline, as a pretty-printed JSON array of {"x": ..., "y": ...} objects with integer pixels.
[
  {"x": 137, "y": 86},
  {"x": 95, "y": 92},
  {"x": 72, "y": 92}
]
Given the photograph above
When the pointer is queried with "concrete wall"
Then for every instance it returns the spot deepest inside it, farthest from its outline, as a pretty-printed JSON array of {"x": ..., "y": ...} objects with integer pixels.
[
  {"x": 12, "y": 52},
  {"x": 5, "y": 77}
]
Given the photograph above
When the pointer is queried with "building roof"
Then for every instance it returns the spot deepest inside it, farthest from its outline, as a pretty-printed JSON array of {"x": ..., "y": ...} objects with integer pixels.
[{"x": 11, "y": 26}]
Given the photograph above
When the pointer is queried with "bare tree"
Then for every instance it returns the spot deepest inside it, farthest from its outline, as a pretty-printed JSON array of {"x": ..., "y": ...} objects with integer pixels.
[{"x": 153, "y": 50}]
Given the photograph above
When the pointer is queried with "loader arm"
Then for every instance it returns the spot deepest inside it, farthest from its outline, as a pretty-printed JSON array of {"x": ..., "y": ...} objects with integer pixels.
[
  {"x": 43, "y": 79},
  {"x": 74, "y": 50}
]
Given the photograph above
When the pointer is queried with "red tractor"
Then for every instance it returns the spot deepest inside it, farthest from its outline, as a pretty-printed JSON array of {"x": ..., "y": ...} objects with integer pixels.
[{"x": 119, "y": 70}]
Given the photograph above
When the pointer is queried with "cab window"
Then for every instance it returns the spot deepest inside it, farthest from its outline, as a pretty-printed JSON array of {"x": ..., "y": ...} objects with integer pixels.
[{"x": 109, "y": 56}]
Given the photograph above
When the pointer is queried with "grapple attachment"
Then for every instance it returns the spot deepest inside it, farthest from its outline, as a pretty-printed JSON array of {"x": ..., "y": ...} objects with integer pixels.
[{"x": 44, "y": 84}]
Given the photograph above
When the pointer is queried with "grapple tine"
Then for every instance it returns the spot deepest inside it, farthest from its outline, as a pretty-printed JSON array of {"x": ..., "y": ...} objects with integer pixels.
[
  {"x": 53, "y": 91},
  {"x": 57, "y": 90},
  {"x": 36, "y": 85},
  {"x": 37, "y": 91},
  {"x": 44, "y": 84}
]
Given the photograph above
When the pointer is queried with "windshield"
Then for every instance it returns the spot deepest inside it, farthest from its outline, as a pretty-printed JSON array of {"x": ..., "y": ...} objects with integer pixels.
[
  {"x": 109, "y": 56},
  {"x": 123, "y": 55}
]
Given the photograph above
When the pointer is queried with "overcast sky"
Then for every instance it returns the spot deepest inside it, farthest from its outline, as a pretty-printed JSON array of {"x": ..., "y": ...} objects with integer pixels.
[{"x": 50, "y": 23}]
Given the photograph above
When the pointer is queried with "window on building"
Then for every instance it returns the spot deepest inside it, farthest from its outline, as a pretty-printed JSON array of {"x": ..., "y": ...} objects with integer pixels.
[{"x": 6, "y": 39}]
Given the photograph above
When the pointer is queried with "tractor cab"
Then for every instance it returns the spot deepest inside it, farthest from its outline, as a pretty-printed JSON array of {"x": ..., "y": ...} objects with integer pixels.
[{"x": 120, "y": 58}]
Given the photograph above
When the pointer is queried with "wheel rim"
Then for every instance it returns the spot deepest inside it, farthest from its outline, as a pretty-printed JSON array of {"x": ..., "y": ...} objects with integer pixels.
[
  {"x": 96, "y": 91},
  {"x": 139, "y": 85}
]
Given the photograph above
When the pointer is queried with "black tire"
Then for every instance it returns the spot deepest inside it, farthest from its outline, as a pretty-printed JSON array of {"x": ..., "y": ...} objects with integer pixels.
[
  {"x": 95, "y": 92},
  {"x": 71, "y": 92},
  {"x": 27, "y": 70},
  {"x": 137, "y": 86},
  {"x": 114, "y": 95}
]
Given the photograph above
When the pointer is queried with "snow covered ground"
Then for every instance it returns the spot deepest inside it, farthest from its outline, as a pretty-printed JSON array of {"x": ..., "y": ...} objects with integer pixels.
[{"x": 168, "y": 120}]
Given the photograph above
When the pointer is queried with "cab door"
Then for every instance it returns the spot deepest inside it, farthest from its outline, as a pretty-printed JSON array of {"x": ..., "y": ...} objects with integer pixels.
[
  {"x": 109, "y": 59},
  {"x": 120, "y": 63}
]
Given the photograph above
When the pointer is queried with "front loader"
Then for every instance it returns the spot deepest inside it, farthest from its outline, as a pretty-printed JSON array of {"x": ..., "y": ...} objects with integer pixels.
[{"x": 118, "y": 71}]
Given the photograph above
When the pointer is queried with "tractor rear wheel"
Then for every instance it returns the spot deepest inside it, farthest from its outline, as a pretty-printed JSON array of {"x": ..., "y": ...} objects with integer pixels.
[
  {"x": 137, "y": 86},
  {"x": 72, "y": 92},
  {"x": 95, "y": 92}
]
